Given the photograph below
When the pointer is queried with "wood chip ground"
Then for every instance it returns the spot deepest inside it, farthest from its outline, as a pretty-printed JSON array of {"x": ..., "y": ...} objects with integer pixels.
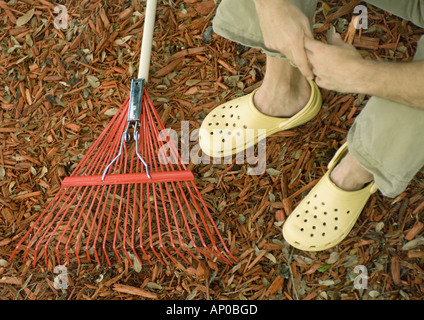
[{"x": 60, "y": 87}]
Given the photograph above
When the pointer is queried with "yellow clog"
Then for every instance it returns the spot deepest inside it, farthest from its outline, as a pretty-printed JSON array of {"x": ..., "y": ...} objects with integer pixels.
[
  {"x": 237, "y": 125},
  {"x": 327, "y": 214}
]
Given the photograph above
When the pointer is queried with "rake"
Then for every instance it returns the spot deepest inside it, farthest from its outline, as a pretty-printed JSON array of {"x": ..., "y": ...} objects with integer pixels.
[{"x": 124, "y": 200}]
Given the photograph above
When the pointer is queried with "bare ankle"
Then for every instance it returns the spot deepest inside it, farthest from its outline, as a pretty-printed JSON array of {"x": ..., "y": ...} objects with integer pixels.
[
  {"x": 349, "y": 175},
  {"x": 284, "y": 100},
  {"x": 284, "y": 90}
]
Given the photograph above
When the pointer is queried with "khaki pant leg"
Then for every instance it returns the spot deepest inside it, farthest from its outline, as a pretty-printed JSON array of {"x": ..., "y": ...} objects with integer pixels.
[
  {"x": 237, "y": 20},
  {"x": 411, "y": 10},
  {"x": 387, "y": 139}
]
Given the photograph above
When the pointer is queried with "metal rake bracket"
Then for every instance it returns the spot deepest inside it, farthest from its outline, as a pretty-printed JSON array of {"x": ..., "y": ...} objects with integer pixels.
[{"x": 134, "y": 112}]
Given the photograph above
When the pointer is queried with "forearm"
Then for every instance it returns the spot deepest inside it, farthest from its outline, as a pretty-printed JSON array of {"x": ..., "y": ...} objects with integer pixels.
[
  {"x": 398, "y": 82},
  {"x": 284, "y": 27}
]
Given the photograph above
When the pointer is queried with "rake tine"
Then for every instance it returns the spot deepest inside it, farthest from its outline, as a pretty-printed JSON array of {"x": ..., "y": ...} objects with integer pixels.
[
  {"x": 207, "y": 230},
  {"x": 116, "y": 166},
  {"x": 117, "y": 225},
  {"x": 155, "y": 141},
  {"x": 67, "y": 226},
  {"x": 49, "y": 227},
  {"x": 185, "y": 222},
  {"x": 169, "y": 224},
  {"x": 99, "y": 224},
  {"x": 215, "y": 227},
  {"x": 124, "y": 244},
  {"x": 125, "y": 220},
  {"x": 193, "y": 219},
  {"x": 150, "y": 225},
  {"x": 154, "y": 129},
  {"x": 75, "y": 226},
  {"x": 84, "y": 224},
  {"x": 28, "y": 233},
  {"x": 87, "y": 244},
  {"x": 133, "y": 230},
  {"x": 175, "y": 153},
  {"x": 110, "y": 214},
  {"x": 149, "y": 143},
  {"x": 132, "y": 245},
  {"x": 104, "y": 140},
  {"x": 155, "y": 209},
  {"x": 141, "y": 227},
  {"x": 146, "y": 152},
  {"x": 159, "y": 231},
  {"x": 107, "y": 225}
]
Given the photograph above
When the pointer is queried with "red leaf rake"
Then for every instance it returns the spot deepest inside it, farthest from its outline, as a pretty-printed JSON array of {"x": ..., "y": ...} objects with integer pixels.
[{"x": 123, "y": 200}]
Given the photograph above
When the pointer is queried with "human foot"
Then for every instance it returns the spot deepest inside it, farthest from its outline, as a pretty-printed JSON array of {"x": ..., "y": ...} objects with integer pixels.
[
  {"x": 327, "y": 213},
  {"x": 349, "y": 175},
  {"x": 284, "y": 90},
  {"x": 285, "y": 102}
]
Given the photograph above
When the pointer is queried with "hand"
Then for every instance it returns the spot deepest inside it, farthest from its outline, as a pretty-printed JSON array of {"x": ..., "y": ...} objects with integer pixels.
[
  {"x": 284, "y": 28},
  {"x": 337, "y": 66}
]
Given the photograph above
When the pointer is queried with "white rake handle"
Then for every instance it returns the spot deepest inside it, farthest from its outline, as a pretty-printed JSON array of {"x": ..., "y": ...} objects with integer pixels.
[{"x": 146, "y": 44}]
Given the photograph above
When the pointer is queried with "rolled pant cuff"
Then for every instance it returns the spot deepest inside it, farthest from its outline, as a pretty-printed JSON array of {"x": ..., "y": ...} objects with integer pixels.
[{"x": 388, "y": 184}]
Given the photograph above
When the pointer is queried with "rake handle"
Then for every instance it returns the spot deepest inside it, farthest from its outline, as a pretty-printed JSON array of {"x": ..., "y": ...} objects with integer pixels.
[
  {"x": 146, "y": 44},
  {"x": 129, "y": 178}
]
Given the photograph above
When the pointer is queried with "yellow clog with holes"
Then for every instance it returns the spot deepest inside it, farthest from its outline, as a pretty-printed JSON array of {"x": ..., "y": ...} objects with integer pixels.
[
  {"x": 238, "y": 125},
  {"x": 327, "y": 214}
]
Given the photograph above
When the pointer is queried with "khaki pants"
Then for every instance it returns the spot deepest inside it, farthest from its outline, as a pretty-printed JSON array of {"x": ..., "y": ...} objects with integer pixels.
[{"x": 387, "y": 138}]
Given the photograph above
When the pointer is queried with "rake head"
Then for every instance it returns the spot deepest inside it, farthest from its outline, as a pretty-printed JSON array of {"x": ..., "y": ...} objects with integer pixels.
[{"x": 123, "y": 201}]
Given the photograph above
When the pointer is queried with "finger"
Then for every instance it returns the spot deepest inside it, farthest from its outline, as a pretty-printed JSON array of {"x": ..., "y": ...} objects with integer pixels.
[
  {"x": 308, "y": 37},
  {"x": 311, "y": 44},
  {"x": 311, "y": 59},
  {"x": 338, "y": 41},
  {"x": 323, "y": 84},
  {"x": 309, "y": 53},
  {"x": 319, "y": 82},
  {"x": 302, "y": 62},
  {"x": 308, "y": 31},
  {"x": 337, "y": 37}
]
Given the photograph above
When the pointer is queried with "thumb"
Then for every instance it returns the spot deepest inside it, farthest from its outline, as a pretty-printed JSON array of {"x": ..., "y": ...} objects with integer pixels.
[{"x": 337, "y": 40}]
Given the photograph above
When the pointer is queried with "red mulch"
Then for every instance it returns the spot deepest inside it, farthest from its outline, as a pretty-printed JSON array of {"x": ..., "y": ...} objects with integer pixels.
[{"x": 60, "y": 87}]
